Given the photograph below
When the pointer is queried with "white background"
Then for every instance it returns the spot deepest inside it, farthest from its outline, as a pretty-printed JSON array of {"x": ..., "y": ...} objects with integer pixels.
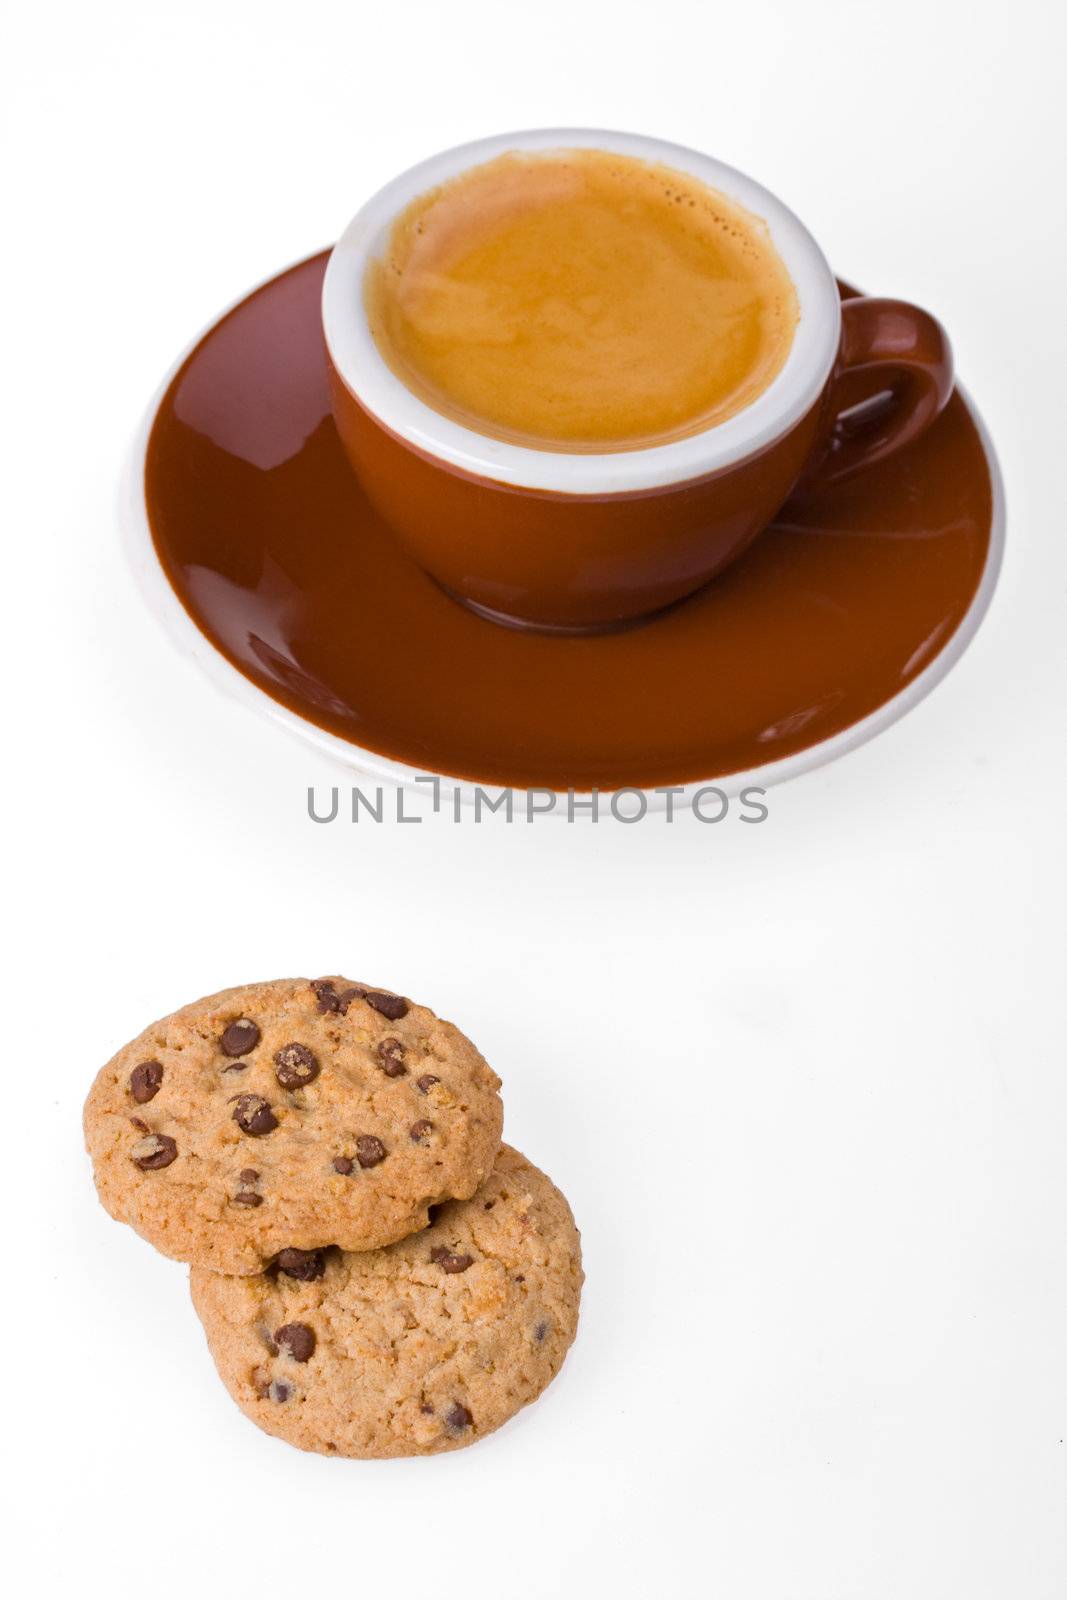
[{"x": 803, "y": 1082}]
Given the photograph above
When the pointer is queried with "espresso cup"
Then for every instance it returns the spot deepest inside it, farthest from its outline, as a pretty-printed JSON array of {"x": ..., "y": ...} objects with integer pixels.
[{"x": 582, "y": 541}]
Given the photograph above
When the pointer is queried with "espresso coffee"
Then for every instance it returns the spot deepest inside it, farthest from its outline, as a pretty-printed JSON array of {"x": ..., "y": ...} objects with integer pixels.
[{"x": 578, "y": 300}]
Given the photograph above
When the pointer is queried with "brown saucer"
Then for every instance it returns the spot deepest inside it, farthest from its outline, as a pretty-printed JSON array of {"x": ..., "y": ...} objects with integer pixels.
[{"x": 835, "y": 622}]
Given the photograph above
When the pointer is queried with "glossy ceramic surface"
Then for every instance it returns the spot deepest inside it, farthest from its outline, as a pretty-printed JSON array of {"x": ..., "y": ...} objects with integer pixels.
[
  {"x": 590, "y": 541},
  {"x": 841, "y": 615}
]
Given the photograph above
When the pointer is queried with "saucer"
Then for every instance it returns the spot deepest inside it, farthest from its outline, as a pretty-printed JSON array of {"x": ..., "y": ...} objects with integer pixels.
[{"x": 252, "y": 539}]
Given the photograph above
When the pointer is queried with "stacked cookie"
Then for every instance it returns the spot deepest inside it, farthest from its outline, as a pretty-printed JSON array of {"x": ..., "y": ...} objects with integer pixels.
[{"x": 376, "y": 1273}]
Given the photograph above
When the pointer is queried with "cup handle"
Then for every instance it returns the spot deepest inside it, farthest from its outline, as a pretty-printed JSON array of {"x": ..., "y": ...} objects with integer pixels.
[{"x": 893, "y": 377}]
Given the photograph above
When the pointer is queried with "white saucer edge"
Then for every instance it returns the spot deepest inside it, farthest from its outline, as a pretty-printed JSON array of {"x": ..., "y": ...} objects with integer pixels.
[{"x": 161, "y": 599}]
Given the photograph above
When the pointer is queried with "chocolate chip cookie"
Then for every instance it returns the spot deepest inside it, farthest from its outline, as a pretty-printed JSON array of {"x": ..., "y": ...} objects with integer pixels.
[
  {"x": 287, "y": 1116},
  {"x": 422, "y": 1347}
]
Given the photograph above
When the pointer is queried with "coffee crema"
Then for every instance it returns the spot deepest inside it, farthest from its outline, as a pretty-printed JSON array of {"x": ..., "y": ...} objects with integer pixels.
[{"x": 577, "y": 300}]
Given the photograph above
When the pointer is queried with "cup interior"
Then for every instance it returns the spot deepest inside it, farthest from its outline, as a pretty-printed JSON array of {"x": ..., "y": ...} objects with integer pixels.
[{"x": 380, "y": 391}]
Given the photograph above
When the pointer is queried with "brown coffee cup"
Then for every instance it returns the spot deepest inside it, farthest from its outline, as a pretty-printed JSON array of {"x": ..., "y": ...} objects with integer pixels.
[{"x": 581, "y": 542}]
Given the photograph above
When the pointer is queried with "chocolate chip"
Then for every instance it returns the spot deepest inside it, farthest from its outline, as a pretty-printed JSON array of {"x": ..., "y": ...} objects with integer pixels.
[
  {"x": 427, "y": 1411},
  {"x": 297, "y": 1340},
  {"x": 449, "y": 1262},
  {"x": 392, "y": 1006},
  {"x": 140, "y": 1124},
  {"x": 325, "y": 994},
  {"x": 239, "y": 1038},
  {"x": 426, "y": 1082},
  {"x": 540, "y": 1331},
  {"x": 330, "y": 1002},
  {"x": 279, "y": 1392},
  {"x": 369, "y": 1150},
  {"x": 154, "y": 1151},
  {"x": 419, "y": 1130},
  {"x": 253, "y": 1115},
  {"x": 489, "y": 1204},
  {"x": 304, "y": 1265},
  {"x": 145, "y": 1081},
  {"x": 247, "y": 1196},
  {"x": 295, "y": 1065},
  {"x": 391, "y": 1055},
  {"x": 344, "y": 1165},
  {"x": 459, "y": 1417}
]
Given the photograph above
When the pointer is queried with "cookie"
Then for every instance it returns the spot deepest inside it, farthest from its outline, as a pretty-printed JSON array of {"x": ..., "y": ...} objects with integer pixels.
[
  {"x": 422, "y": 1347},
  {"x": 288, "y": 1116}
]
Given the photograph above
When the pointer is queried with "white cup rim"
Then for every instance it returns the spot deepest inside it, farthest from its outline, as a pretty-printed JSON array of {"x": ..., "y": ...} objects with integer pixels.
[{"x": 772, "y": 414}]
